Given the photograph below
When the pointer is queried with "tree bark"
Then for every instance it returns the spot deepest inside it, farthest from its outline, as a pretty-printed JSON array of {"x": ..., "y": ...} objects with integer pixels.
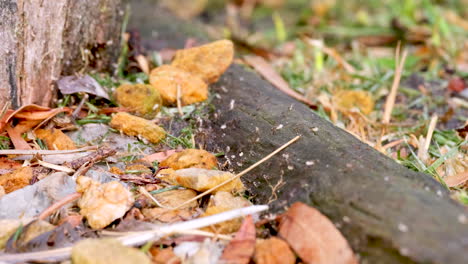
[
  {"x": 40, "y": 40},
  {"x": 388, "y": 213}
]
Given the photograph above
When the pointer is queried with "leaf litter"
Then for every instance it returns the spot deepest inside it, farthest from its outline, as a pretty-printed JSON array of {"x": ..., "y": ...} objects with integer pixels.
[{"x": 109, "y": 187}]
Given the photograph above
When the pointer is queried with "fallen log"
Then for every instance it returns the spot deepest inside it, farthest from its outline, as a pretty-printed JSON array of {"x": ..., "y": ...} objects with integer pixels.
[{"x": 388, "y": 213}]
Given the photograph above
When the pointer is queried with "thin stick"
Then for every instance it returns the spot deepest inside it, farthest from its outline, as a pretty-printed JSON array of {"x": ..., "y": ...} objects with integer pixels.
[
  {"x": 54, "y": 207},
  {"x": 240, "y": 174},
  {"x": 430, "y": 131},
  {"x": 152, "y": 198},
  {"x": 179, "y": 103},
  {"x": 390, "y": 102},
  {"x": 55, "y": 167},
  {"x": 43, "y": 152}
]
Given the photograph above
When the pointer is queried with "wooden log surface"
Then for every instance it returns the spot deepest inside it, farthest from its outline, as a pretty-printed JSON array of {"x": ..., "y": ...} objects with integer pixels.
[
  {"x": 41, "y": 40},
  {"x": 388, "y": 213}
]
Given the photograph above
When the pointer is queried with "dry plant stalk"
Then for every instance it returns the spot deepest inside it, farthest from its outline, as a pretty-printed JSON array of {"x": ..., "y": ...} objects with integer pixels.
[
  {"x": 240, "y": 174},
  {"x": 390, "y": 102}
]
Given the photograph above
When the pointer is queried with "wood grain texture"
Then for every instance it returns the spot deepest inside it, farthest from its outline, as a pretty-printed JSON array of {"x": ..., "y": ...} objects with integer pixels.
[{"x": 41, "y": 40}]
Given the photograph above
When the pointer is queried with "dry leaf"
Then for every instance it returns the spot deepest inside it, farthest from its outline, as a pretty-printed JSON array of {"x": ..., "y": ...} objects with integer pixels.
[
  {"x": 186, "y": 8},
  {"x": 78, "y": 84},
  {"x": 16, "y": 179},
  {"x": 16, "y": 138},
  {"x": 191, "y": 158},
  {"x": 164, "y": 256},
  {"x": 267, "y": 72},
  {"x": 313, "y": 236},
  {"x": 172, "y": 199},
  {"x": 457, "y": 179},
  {"x": 242, "y": 247},
  {"x": 347, "y": 100},
  {"x": 6, "y": 163},
  {"x": 105, "y": 251},
  {"x": 273, "y": 251},
  {"x": 102, "y": 203},
  {"x": 168, "y": 79},
  {"x": 208, "y": 61},
  {"x": 141, "y": 99},
  {"x": 136, "y": 126},
  {"x": 222, "y": 202},
  {"x": 203, "y": 179},
  {"x": 159, "y": 156},
  {"x": 55, "y": 139}
]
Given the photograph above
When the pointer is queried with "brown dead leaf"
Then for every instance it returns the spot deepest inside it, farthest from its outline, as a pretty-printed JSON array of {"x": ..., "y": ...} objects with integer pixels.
[
  {"x": 102, "y": 203},
  {"x": 16, "y": 138},
  {"x": 313, "y": 236},
  {"x": 16, "y": 179},
  {"x": 164, "y": 256},
  {"x": 273, "y": 251},
  {"x": 267, "y": 72},
  {"x": 242, "y": 247},
  {"x": 171, "y": 199},
  {"x": 11, "y": 113},
  {"x": 55, "y": 139},
  {"x": 457, "y": 179},
  {"x": 208, "y": 61},
  {"x": 191, "y": 158},
  {"x": 159, "y": 156},
  {"x": 222, "y": 202},
  {"x": 6, "y": 163}
]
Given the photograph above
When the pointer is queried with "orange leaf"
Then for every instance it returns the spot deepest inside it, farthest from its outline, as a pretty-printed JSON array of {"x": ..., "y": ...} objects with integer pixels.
[
  {"x": 314, "y": 237},
  {"x": 457, "y": 179},
  {"x": 272, "y": 251},
  {"x": 16, "y": 138},
  {"x": 40, "y": 115},
  {"x": 242, "y": 247},
  {"x": 159, "y": 156}
]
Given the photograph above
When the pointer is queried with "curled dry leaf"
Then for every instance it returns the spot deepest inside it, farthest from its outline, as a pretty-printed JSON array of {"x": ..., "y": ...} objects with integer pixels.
[
  {"x": 242, "y": 247},
  {"x": 141, "y": 99},
  {"x": 191, "y": 158},
  {"x": 456, "y": 179},
  {"x": 105, "y": 251},
  {"x": 273, "y": 251},
  {"x": 55, "y": 139},
  {"x": 136, "y": 126},
  {"x": 168, "y": 79},
  {"x": 313, "y": 236},
  {"x": 222, "y": 202},
  {"x": 81, "y": 84},
  {"x": 202, "y": 179},
  {"x": 159, "y": 156},
  {"x": 16, "y": 179},
  {"x": 169, "y": 200},
  {"x": 207, "y": 61},
  {"x": 102, "y": 203}
]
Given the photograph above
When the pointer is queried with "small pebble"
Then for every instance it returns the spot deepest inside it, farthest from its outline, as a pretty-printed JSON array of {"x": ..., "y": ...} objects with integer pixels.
[
  {"x": 310, "y": 163},
  {"x": 402, "y": 227}
]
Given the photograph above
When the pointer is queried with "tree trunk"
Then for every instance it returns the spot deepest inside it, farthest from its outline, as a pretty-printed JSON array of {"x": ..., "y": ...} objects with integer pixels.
[
  {"x": 40, "y": 40},
  {"x": 388, "y": 213}
]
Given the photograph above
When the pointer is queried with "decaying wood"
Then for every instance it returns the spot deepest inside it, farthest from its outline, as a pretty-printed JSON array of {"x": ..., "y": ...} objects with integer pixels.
[
  {"x": 40, "y": 40},
  {"x": 388, "y": 213}
]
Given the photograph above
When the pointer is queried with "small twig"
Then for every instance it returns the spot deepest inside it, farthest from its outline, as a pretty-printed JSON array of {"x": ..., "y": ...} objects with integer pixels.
[
  {"x": 430, "y": 131},
  {"x": 152, "y": 198},
  {"x": 43, "y": 152},
  {"x": 80, "y": 105},
  {"x": 98, "y": 155},
  {"x": 55, "y": 167},
  {"x": 240, "y": 174},
  {"x": 179, "y": 103},
  {"x": 54, "y": 207},
  {"x": 390, "y": 102}
]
